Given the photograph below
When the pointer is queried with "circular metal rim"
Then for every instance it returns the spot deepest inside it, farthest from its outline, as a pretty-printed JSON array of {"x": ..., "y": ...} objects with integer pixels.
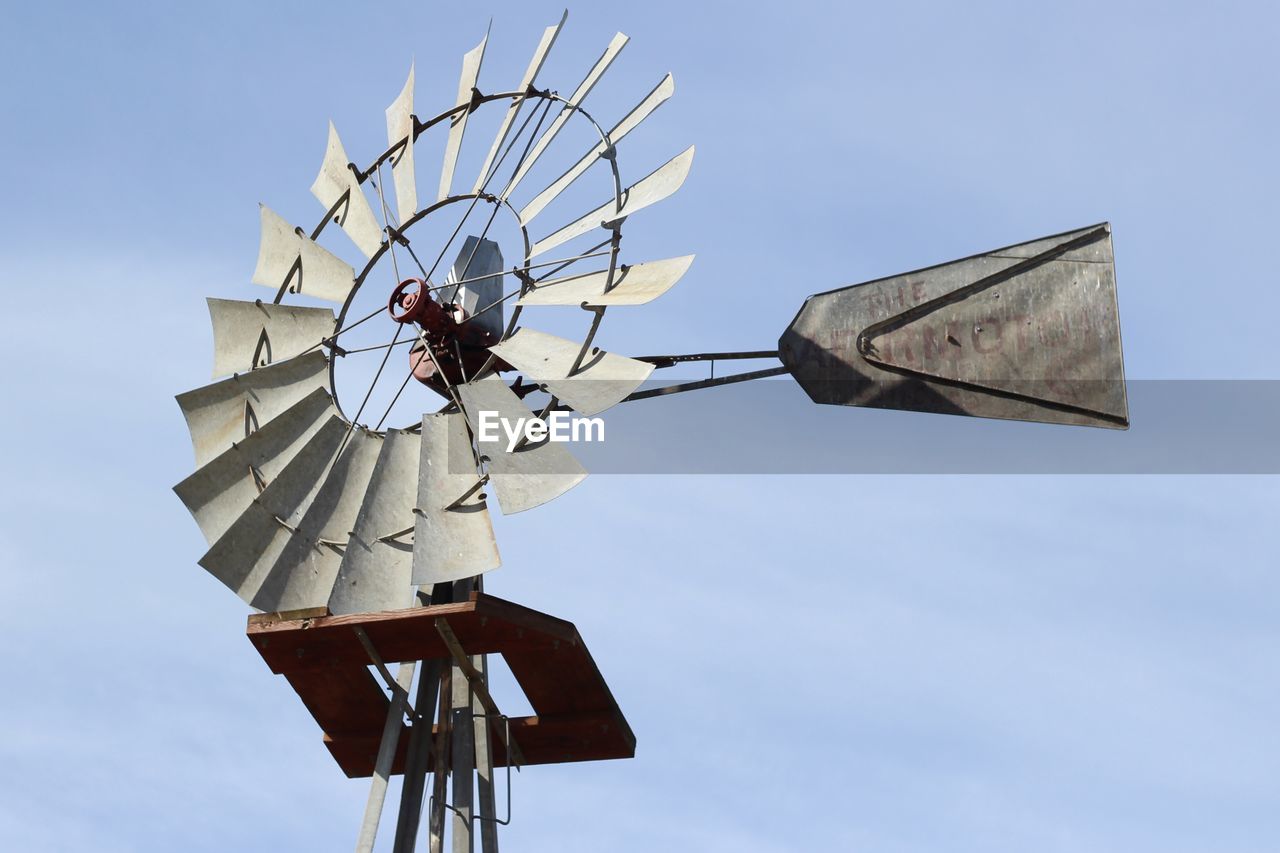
[{"x": 418, "y": 128}]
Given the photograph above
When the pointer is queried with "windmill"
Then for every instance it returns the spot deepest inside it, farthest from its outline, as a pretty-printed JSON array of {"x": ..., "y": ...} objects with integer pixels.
[{"x": 364, "y": 545}]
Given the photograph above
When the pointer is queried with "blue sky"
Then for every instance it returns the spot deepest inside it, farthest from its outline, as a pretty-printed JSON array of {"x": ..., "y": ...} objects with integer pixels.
[{"x": 852, "y": 662}]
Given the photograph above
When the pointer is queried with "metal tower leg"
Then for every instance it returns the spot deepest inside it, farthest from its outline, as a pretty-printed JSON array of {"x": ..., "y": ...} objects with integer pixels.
[
  {"x": 386, "y": 755},
  {"x": 440, "y": 765},
  {"x": 418, "y": 759},
  {"x": 461, "y": 749},
  {"x": 484, "y": 764},
  {"x": 463, "y": 763}
]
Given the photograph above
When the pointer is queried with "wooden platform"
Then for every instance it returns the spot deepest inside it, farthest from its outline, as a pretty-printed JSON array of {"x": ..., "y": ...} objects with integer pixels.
[{"x": 576, "y": 717}]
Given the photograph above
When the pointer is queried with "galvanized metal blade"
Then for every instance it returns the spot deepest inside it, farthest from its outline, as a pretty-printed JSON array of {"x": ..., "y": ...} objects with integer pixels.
[
  {"x": 528, "y": 474},
  {"x": 458, "y": 124},
  {"x": 453, "y": 535},
  {"x": 250, "y": 335},
  {"x": 376, "y": 568},
  {"x": 579, "y": 94},
  {"x": 664, "y": 90},
  {"x": 650, "y": 189},
  {"x": 479, "y": 266},
  {"x": 1027, "y": 332},
  {"x": 217, "y": 493},
  {"x": 289, "y": 260},
  {"x": 601, "y": 380},
  {"x": 400, "y": 132},
  {"x": 242, "y": 557},
  {"x": 336, "y": 183},
  {"x": 635, "y": 284},
  {"x": 225, "y": 412},
  {"x": 306, "y": 570},
  {"x": 535, "y": 65}
]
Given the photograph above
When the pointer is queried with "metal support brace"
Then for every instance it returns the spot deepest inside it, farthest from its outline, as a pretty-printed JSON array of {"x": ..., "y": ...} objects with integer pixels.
[
  {"x": 476, "y": 681},
  {"x": 393, "y": 684},
  {"x": 386, "y": 755},
  {"x": 418, "y": 760}
]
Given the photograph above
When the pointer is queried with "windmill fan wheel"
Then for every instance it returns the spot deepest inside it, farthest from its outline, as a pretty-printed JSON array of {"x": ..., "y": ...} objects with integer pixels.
[{"x": 306, "y": 498}]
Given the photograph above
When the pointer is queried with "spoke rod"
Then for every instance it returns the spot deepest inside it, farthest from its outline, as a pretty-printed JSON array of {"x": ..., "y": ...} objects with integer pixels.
[
  {"x": 472, "y": 207},
  {"x": 379, "y": 346},
  {"x": 558, "y": 264},
  {"x": 376, "y": 377},
  {"x": 520, "y": 290},
  {"x": 562, "y": 261},
  {"x": 591, "y": 253},
  {"x": 331, "y": 338},
  {"x": 396, "y": 398},
  {"x": 363, "y": 319},
  {"x": 494, "y": 213}
]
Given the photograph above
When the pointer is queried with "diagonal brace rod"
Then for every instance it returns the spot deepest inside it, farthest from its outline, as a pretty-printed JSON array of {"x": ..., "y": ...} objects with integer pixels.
[{"x": 463, "y": 662}]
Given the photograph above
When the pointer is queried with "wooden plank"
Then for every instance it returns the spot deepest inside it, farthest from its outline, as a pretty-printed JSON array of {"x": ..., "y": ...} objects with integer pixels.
[
  {"x": 568, "y": 739},
  {"x": 576, "y": 716},
  {"x": 484, "y": 625},
  {"x": 343, "y": 700},
  {"x": 288, "y": 616}
]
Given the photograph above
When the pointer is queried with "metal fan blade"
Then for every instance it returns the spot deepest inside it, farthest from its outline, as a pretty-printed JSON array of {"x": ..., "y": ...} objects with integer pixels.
[
  {"x": 632, "y": 285},
  {"x": 584, "y": 88},
  {"x": 377, "y": 562},
  {"x": 242, "y": 557},
  {"x": 225, "y": 412},
  {"x": 535, "y": 65},
  {"x": 305, "y": 572},
  {"x": 288, "y": 259},
  {"x": 664, "y": 90},
  {"x": 602, "y": 380},
  {"x": 530, "y": 475},
  {"x": 249, "y": 335},
  {"x": 479, "y": 264},
  {"x": 217, "y": 493},
  {"x": 453, "y": 536},
  {"x": 458, "y": 124},
  {"x": 400, "y": 129},
  {"x": 337, "y": 183},
  {"x": 650, "y": 189}
]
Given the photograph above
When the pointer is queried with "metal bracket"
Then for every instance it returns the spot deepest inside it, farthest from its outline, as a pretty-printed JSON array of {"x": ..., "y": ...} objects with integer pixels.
[
  {"x": 506, "y": 721},
  {"x": 388, "y": 679},
  {"x": 396, "y": 234},
  {"x": 598, "y": 310},
  {"x": 390, "y": 536}
]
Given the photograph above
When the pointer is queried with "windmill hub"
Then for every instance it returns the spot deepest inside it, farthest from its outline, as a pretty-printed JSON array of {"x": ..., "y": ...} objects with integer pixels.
[
  {"x": 412, "y": 298},
  {"x": 458, "y": 348}
]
